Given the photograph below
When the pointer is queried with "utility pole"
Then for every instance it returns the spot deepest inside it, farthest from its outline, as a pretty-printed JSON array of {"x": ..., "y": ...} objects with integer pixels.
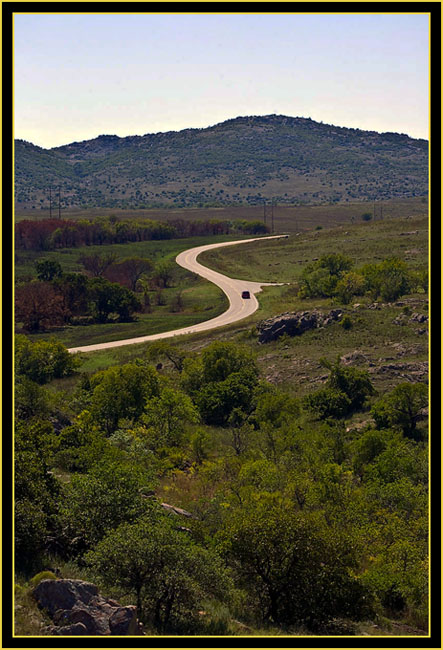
[
  {"x": 59, "y": 207},
  {"x": 264, "y": 211},
  {"x": 374, "y": 209},
  {"x": 381, "y": 212},
  {"x": 272, "y": 215},
  {"x": 50, "y": 202}
]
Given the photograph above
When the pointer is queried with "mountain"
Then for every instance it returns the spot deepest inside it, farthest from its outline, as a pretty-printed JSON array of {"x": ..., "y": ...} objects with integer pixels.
[{"x": 240, "y": 161}]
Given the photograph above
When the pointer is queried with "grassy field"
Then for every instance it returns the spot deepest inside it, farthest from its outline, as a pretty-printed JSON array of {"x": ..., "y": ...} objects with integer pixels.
[
  {"x": 283, "y": 260},
  {"x": 286, "y": 218}
]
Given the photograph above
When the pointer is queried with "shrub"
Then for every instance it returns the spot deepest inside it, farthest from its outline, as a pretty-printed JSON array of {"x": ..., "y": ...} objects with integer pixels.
[
  {"x": 43, "y": 575},
  {"x": 346, "y": 322},
  {"x": 328, "y": 402}
]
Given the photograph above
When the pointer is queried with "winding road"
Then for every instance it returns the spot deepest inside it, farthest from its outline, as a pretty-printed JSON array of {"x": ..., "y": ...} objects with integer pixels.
[{"x": 238, "y": 309}]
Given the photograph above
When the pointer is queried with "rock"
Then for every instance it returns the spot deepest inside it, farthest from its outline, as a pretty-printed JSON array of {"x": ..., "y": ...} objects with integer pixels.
[
  {"x": 294, "y": 323},
  {"x": 176, "y": 511},
  {"x": 353, "y": 357},
  {"x": 418, "y": 318},
  {"x": 77, "y": 608},
  {"x": 123, "y": 621},
  {"x": 78, "y": 629}
]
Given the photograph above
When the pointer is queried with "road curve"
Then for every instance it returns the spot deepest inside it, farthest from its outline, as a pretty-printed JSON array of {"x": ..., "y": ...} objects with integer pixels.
[{"x": 238, "y": 309}]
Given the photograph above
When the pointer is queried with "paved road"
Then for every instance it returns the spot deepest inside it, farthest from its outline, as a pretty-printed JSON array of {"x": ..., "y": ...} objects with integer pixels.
[{"x": 239, "y": 307}]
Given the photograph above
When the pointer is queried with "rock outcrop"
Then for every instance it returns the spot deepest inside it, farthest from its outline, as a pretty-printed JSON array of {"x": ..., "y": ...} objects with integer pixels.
[
  {"x": 294, "y": 323},
  {"x": 77, "y": 608}
]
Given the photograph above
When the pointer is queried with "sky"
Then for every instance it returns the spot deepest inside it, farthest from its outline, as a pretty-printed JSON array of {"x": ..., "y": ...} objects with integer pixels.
[{"x": 77, "y": 76}]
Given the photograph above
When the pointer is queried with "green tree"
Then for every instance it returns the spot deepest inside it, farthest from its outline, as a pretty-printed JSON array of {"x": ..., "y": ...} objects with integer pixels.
[
  {"x": 169, "y": 575},
  {"x": 389, "y": 280},
  {"x": 167, "y": 416},
  {"x": 109, "y": 297},
  {"x": 122, "y": 392},
  {"x": 345, "y": 391},
  {"x": 320, "y": 278},
  {"x": 224, "y": 378},
  {"x": 402, "y": 408},
  {"x": 42, "y": 361},
  {"x": 162, "y": 274},
  {"x": 36, "y": 493},
  {"x": 296, "y": 570},
  {"x": 173, "y": 353},
  {"x": 95, "y": 503},
  {"x": 47, "y": 270},
  {"x": 351, "y": 284}
]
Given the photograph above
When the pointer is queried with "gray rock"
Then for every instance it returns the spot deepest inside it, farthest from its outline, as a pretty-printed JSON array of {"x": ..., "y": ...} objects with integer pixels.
[
  {"x": 294, "y": 323},
  {"x": 77, "y": 608}
]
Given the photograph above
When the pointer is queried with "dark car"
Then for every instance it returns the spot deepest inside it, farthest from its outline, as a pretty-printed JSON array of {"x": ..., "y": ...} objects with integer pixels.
[{"x": 245, "y": 294}]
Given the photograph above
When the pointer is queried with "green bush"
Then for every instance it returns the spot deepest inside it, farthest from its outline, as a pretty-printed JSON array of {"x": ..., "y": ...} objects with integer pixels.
[
  {"x": 328, "y": 402},
  {"x": 346, "y": 322},
  {"x": 43, "y": 575},
  {"x": 42, "y": 361}
]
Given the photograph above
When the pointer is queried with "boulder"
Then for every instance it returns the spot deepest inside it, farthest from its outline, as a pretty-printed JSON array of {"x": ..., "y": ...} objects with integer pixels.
[
  {"x": 77, "y": 608},
  {"x": 294, "y": 323}
]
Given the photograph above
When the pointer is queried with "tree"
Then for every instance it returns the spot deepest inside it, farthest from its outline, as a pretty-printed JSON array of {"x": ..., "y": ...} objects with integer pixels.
[
  {"x": 95, "y": 503},
  {"x": 162, "y": 274},
  {"x": 129, "y": 271},
  {"x": 36, "y": 493},
  {"x": 42, "y": 361},
  {"x": 109, "y": 297},
  {"x": 345, "y": 391},
  {"x": 39, "y": 305},
  {"x": 122, "y": 392},
  {"x": 97, "y": 264},
  {"x": 170, "y": 575},
  {"x": 402, "y": 408},
  {"x": 366, "y": 216},
  {"x": 74, "y": 289},
  {"x": 389, "y": 280},
  {"x": 173, "y": 353},
  {"x": 222, "y": 379},
  {"x": 354, "y": 383},
  {"x": 167, "y": 415},
  {"x": 351, "y": 284},
  {"x": 144, "y": 286},
  {"x": 296, "y": 570},
  {"x": 47, "y": 270},
  {"x": 320, "y": 278}
]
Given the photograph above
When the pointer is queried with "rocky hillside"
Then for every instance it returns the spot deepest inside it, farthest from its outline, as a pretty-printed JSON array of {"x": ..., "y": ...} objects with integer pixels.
[{"x": 241, "y": 161}]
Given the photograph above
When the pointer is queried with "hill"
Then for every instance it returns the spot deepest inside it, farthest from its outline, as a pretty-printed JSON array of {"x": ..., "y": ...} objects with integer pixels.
[{"x": 240, "y": 161}]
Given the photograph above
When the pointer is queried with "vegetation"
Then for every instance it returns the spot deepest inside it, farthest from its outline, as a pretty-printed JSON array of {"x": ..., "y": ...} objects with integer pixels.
[{"x": 302, "y": 463}]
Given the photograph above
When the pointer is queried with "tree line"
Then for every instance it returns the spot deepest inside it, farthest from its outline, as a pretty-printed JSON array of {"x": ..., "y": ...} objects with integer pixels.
[{"x": 51, "y": 234}]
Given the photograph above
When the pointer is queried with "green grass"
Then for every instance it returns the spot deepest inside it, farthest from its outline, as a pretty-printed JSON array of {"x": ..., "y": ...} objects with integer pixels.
[{"x": 283, "y": 260}]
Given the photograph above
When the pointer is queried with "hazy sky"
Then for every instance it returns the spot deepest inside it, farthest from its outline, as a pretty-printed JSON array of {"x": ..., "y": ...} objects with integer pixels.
[{"x": 81, "y": 75}]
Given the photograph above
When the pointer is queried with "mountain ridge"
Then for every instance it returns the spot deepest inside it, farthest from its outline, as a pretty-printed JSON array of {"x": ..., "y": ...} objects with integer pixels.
[{"x": 243, "y": 160}]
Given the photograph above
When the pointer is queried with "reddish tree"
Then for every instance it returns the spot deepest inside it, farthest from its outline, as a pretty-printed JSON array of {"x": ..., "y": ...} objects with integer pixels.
[
  {"x": 39, "y": 305},
  {"x": 129, "y": 271},
  {"x": 97, "y": 264}
]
